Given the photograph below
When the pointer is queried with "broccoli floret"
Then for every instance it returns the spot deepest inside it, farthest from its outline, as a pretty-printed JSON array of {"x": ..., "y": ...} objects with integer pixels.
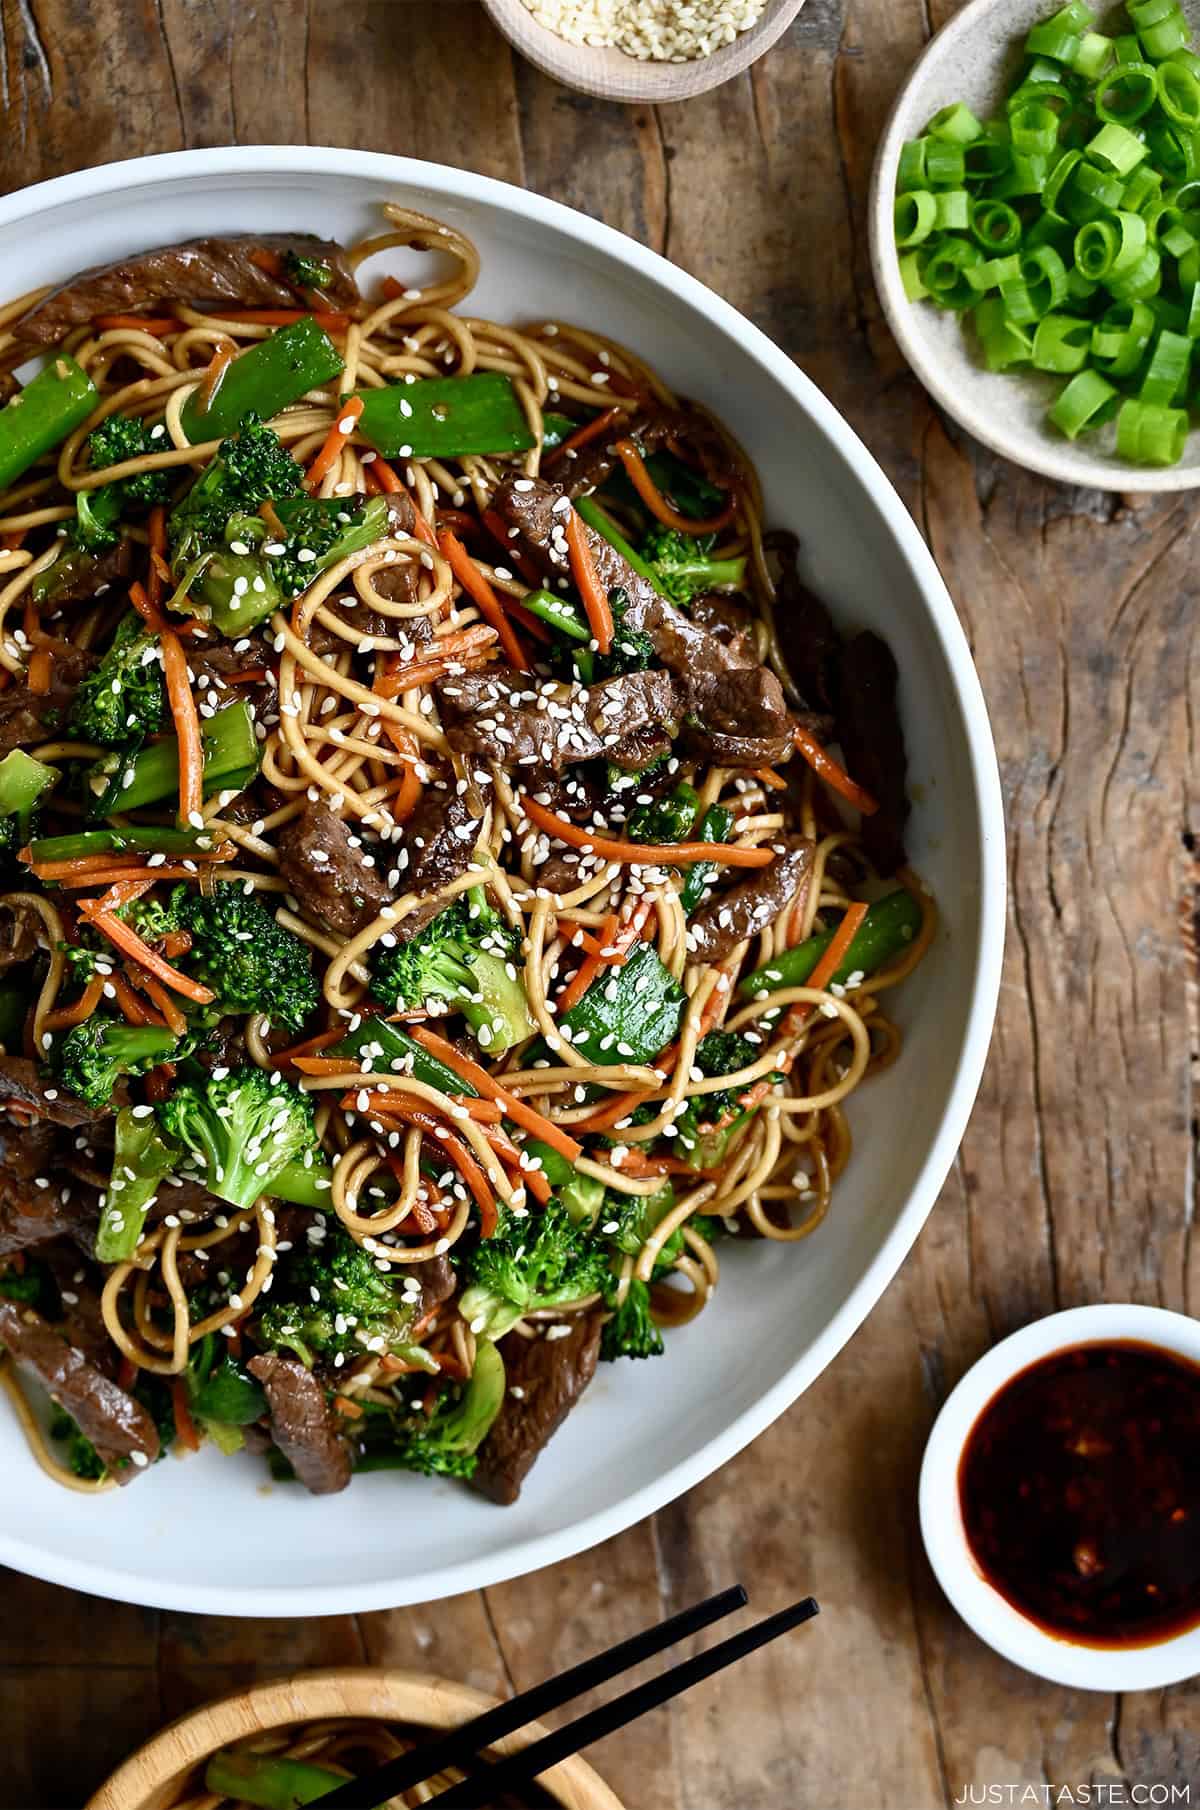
[
  {"x": 684, "y": 567},
  {"x": 632, "y": 1331},
  {"x": 462, "y": 961},
  {"x": 242, "y": 1128},
  {"x": 669, "y": 819},
  {"x": 123, "y": 699},
  {"x": 251, "y": 467},
  {"x": 306, "y": 273},
  {"x": 445, "y": 1443},
  {"x": 320, "y": 531},
  {"x": 152, "y": 918},
  {"x": 97, "y": 512},
  {"x": 94, "y": 1055},
  {"x": 332, "y": 1301},
  {"x": 83, "y": 1460},
  {"x": 251, "y": 962},
  {"x": 632, "y": 649},
  {"x": 542, "y": 1260}
]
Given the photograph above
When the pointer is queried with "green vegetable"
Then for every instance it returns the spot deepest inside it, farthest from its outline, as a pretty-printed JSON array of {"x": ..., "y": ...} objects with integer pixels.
[
  {"x": 629, "y": 1016},
  {"x": 669, "y": 819},
  {"x": 559, "y": 612},
  {"x": 135, "y": 839},
  {"x": 581, "y": 1195},
  {"x": 22, "y": 782},
  {"x": 463, "y": 961},
  {"x": 383, "y": 1047},
  {"x": 305, "y": 1184},
  {"x": 714, "y": 1122},
  {"x": 542, "y": 1260},
  {"x": 330, "y": 1299},
  {"x": 126, "y": 782},
  {"x": 141, "y": 1157},
  {"x": 98, "y": 512},
  {"x": 556, "y": 429},
  {"x": 589, "y": 510},
  {"x": 445, "y": 417},
  {"x": 445, "y": 1443},
  {"x": 631, "y": 1218},
  {"x": 39, "y": 417},
  {"x": 83, "y": 1460},
  {"x": 306, "y": 273},
  {"x": 95, "y": 1055},
  {"x": 715, "y": 826},
  {"x": 683, "y": 565},
  {"x": 220, "y": 1388},
  {"x": 632, "y": 1332},
  {"x": 688, "y": 489},
  {"x": 271, "y": 375},
  {"x": 249, "y": 960},
  {"x": 241, "y": 1130},
  {"x": 1068, "y": 232},
  {"x": 123, "y": 698},
  {"x": 268, "y": 1780},
  {"x": 886, "y": 931}
]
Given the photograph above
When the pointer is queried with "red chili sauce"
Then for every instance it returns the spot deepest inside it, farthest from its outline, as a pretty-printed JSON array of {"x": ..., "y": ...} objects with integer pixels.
[{"x": 1079, "y": 1486}]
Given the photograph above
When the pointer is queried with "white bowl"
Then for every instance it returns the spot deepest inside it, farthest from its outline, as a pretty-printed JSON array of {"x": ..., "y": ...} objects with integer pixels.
[
  {"x": 209, "y": 1534},
  {"x": 974, "y": 59},
  {"x": 981, "y": 1606}
]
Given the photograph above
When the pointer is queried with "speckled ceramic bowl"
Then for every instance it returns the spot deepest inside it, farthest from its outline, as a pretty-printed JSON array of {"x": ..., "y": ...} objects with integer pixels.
[{"x": 974, "y": 59}]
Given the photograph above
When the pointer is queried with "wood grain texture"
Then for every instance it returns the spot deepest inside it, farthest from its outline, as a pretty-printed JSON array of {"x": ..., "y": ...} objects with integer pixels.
[{"x": 1076, "y": 1178}]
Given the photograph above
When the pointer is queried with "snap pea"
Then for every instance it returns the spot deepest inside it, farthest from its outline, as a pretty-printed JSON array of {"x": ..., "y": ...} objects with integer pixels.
[
  {"x": 445, "y": 417},
  {"x": 39, "y": 417},
  {"x": 22, "y": 782},
  {"x": 388, "y": 1048},
  {"x": 231, "y": 757},
  {"x": 714, "y": 827},
  {"x": 275, "y": 372},
  {"x": 889, "y": 926}
]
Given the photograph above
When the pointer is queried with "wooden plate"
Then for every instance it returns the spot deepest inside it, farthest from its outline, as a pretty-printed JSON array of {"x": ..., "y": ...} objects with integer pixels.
[
  {"x": 614, "y": 76},
  {"x": 152, "y": 1779}
]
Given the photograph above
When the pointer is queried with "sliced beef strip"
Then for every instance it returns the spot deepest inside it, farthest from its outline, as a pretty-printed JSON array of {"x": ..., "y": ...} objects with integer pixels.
[
  {"x": 334, "y": 879},
  {"x": 640, "y": 748},
  {"x": 196, "y": 271},
  {"x": 18, "y": 936},
  {"x": 81, "y": 1320},
  {"x": 735, "y": 708},
  {"x": 438, "y": 1283},
  {"x": 27, "y": 716},
  {"x": 753, "y": 904},
  {"x": 550, "y": 1376},
  {"x": 214, "y": 662},
  {"x": 868, "y": 728},
  {"x": 441, "y": 834},
  {"x": 304, "y": 1427},
  {"x": 726, "y": 618},
  {"x": 807, "y": 638},
  {"x": 37, "y": 1096},
  {"x": 31, "y": 1214},
  {"x": 121, "y": 1430},
  {"x": 82, "y": 578},
  {"x": 545, "y": 726}
]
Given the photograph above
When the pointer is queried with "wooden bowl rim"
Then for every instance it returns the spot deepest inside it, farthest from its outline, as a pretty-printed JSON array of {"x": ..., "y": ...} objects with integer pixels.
[
  {"x": 615, "y": 76},
  {"x": 381, "y": 1692}
]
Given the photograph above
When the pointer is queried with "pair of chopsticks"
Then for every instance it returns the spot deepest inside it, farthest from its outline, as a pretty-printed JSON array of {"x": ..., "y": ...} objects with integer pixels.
[{"x": 461, "y": 1747}]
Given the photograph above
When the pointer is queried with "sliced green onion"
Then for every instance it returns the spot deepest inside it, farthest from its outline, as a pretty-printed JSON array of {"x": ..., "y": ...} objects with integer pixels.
[
  {"x": 996, "y": 226},
  {"x": 1062, "y": 343},
  {"x": 952, "y": 207},
  {"x": 910, "y": 173},
  {"x": 942, "y": 272},
  {"x": 1164, "y": 39},
  {"x": 1192, "y": 328},
  {"x": 1058, "y": 176},
  {"x": 1026, "y": 175},
  {"x": 1089, "y": 194},
  {"x": 1144, "y": 188},
  {"x": 1188, "y": 59},
  {"x": 985, "y": 158},
  {"x": 1120, "y": 338},
  {"x": 1084, "y": 399},
  {"x": 1148, "y": 434},
  {"x": 1126, "y": 49},
  {"x": 1139, "y": 282},
  {"x": 1093, "y": 56},
  {"x": 1129, "y": 92},
  {"x": 1001, "y": 341},
  {"x": 1116, "y": 148},
  {"x": 956, "y": 124},
  {"x": 1167, "y": 372},
  {"x": 944, "y": 167},
  {"x": 1035, "y": 128},
  {"x": 1095, "y": 248},
  {"x": 916, "y": 216},
  {"x": 910, "y": 277},
  {"x": 1179, "y": 95}
]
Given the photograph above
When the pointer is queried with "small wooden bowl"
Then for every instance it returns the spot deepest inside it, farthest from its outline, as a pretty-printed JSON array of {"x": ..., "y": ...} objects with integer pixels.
[
  {"x": 614, "y": 76},
  {"x": 154, "y": 1777}
]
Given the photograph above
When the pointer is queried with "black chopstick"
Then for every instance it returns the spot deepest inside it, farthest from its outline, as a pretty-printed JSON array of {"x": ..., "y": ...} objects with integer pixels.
[
  {"x": 459, "y": 1746},
  {"x": 521, "y": 1768}
]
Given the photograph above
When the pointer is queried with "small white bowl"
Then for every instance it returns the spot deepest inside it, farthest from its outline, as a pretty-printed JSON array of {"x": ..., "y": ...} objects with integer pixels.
[
  {"x": 1012, "y": 1634},
  {"x": 974, "y": 59},
  {"x": 616, "y": 76}
]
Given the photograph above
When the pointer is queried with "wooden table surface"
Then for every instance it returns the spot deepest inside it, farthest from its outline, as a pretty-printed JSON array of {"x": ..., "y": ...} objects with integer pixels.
[{"x": 1075, "y": 1181}]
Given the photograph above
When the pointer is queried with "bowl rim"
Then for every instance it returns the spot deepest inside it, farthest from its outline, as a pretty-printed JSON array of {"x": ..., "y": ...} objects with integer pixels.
[
  {"x": 525, "y": 1556},
  {"x": 614, "y": 75},
  {"x": 422, "y": 1699},
  {"x": 1049, "y": 460},
  {"x": 988, "y": 1614}
]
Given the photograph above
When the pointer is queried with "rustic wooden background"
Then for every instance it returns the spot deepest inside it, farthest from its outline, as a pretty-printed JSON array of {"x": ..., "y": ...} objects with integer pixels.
[{"x": 1076, "y": 1179}]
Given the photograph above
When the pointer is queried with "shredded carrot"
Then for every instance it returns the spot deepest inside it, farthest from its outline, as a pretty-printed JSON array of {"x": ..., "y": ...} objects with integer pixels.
[
  {"x": 173, "y": 1018},
  {"x": 380, "y": 478},
  {"x": 100, "y": 875},
  {"x": 587, "y": 583},
  {"x": 828, "y": 965},
  {"x": 220, "y": 362},
  {"x": 121, "y": 892},
  {"x": 187, "y": 727},
  {"x": 657, "y": 504},
  {"x": 253, "y": 675},
  {"x": 332, "y": 322},
  {"x": 267, "y": 260},
  {"x": 132, "y": 1008},
  {"x": 159, "y": 574},
  {"x": 769, "y": 777},
  {"x": 176, "y": 942},
  {"x": 647, "y": 854},
  {"x": 157, "y": 1083},
  {"x": 484, "y": 1112},
  {"x": 82, "y": 1009},
  {"x": 588, "y": 969},
  {"x": 142, "y": 323},
  {"x": 408, "y": 1112},
  {"x": 130, "y": 943},
  {"x": 516, "y": 1109},
  {"x": 408, "y": 794},
  {"x": 185, "y": 1426},
  {"x": 826, "y": 768},
  {"x": 41, "y": 672},
  {"x": 349, "y": 409},
  {"x": 480, "y": 591},
  {"x": 349, "y": 1410},
  {"x": 148, "y": 610},
  {"x": 591, "y": 430},
  {"x": 126, "y": 1373},
  {"x": 310, "y": 1045},
  {"x": 323, "y": 1065}
]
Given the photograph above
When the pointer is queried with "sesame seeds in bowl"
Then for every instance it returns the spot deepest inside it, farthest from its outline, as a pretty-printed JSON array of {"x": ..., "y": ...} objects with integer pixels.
[{"x": 642, "y": 50}]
